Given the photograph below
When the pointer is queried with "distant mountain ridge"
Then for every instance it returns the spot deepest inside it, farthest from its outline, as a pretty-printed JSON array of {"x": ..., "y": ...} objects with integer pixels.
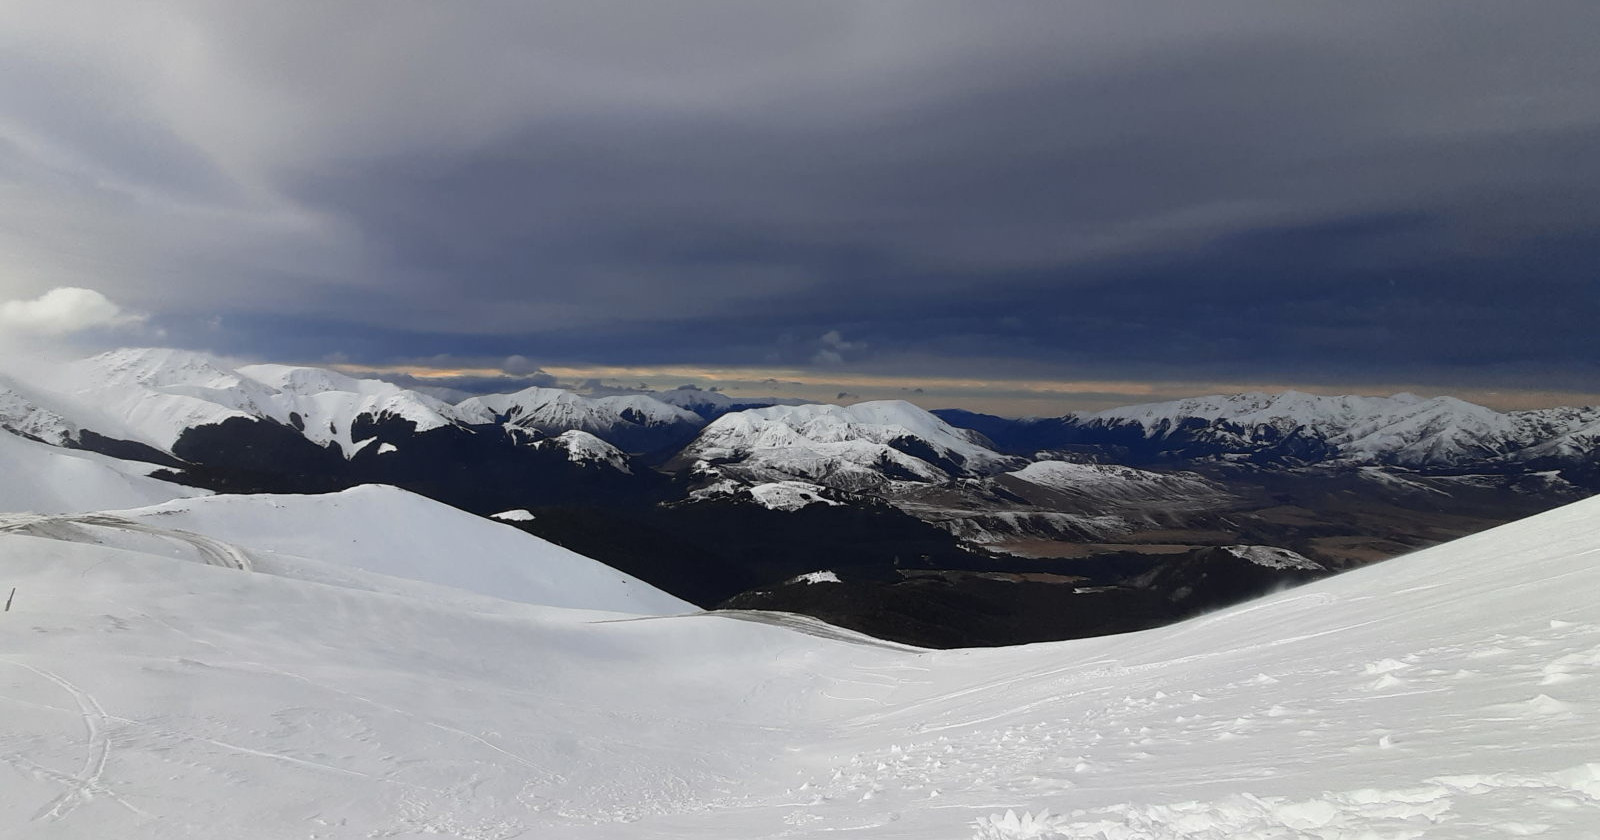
[
  {"x": 634, "y": 422},
  {"x": 712, "y": 499},
  {"x": 1400, "y": 430},
  {"x": 857, "y": 447},
  {"x": 176, "y": 407}
]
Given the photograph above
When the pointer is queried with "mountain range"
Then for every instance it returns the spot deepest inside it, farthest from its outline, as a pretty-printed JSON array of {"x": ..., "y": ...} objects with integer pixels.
[
  {"x": 719, "y": 501},
  {"x": 1400, "y": 430},
  {"x": 374, "y": 663}
]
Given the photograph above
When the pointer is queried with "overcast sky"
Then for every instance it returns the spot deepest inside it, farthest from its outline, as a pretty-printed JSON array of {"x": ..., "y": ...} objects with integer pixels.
[{"x": 1330, "y": 195}]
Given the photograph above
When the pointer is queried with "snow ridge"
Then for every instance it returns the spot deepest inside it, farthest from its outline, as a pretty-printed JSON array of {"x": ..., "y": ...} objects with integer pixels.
[
  {"x": 1402, "y": 429},
  {"x": 583, "y": 448},
  {"x": 617, "y": 419},
  {"x": 154, "y": 395},
  {"x": 20, "y": 414},
  {"x": 855, "y": 447},
  {"x": 41, "y": 478}
]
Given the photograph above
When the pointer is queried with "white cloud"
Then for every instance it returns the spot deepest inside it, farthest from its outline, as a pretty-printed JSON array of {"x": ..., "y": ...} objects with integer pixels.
[{"x": 65, "y": 310}]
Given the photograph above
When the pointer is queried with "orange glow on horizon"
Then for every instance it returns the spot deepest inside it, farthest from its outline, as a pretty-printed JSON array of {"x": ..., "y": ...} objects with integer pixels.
[{"x": 1018, "y": 396}]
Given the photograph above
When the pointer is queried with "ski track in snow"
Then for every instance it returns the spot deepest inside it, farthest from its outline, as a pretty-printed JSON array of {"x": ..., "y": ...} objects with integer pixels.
[
  {"x": 213, "y": 552},
  {"x": 810, "y": 627},
  {"x": 86, "y": 783}
]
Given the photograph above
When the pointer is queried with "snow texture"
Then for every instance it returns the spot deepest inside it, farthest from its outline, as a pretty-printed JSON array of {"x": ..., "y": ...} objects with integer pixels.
[
  {"x": 817, "y": 577},
  {"x": 39, "y": 478},
  {"x": 586, "y": 449},
  {"x": 1401, "y": 429},
  {"x": 154, "y": 395},
  {"x": 789, "y": 495},
  {"x": 389, "y": 531},
  {"x": 266, "y": 667},
  {"x": 1273, "y": 557},
  {"x": 21, "y": 414},
  {"x": 554, "y": 411},
  {"x": 845, "y": 447},
  {"x": 1114, "y": 482}
]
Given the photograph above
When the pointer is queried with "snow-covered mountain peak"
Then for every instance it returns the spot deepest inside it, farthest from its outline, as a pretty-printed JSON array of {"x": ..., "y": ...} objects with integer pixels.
[
  {"x": 1402, "y": 429},
  {"x": 698, "y": 400},
  {"x": 713, "y": 404},
  {"x": 157, "y": 395},
  {"x": 880, "y": 421},
  {"x": 632, "y": 421},
  {"x": 328, "y": 403},
  {"x": 846, "y": 447},
  {"x": 154, "y": 367},
  {"x": 21, "y": 413},
  {"x": 583, "y": 448},
  {"x": 154, "y": 395},
  {"x": 308, "y": 380},
  {"x": 1289, "y": 408}
]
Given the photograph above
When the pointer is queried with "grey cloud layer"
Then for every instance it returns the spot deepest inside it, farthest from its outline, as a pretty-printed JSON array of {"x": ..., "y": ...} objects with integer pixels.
[{"x": 1218, "y": 183}]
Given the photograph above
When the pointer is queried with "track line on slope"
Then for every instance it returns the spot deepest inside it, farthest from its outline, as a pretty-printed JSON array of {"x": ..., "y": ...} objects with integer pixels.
[
  {"x": 87, "y": 780},
  {"x": 789, "y": 621},
  {"x": 213, "y": 552}
]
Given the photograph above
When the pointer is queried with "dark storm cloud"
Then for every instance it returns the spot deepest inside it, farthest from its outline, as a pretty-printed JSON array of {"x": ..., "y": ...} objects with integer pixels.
[{"x": 1211, "y": 189}]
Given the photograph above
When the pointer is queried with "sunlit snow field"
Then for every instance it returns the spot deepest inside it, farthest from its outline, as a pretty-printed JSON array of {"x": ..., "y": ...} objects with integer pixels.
[{"x": 359, "y": 677}]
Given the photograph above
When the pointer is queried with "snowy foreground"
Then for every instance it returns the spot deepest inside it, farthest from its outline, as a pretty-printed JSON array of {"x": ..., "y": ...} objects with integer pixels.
[{"x": 275, "y": 667}]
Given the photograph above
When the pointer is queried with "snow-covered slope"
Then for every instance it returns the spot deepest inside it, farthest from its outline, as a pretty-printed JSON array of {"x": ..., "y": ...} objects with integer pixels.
[
  {"x": 1575, "y": 435},
  {"x": 713, "y": 404},
  {"x": 45, "y": 479},
  {"x": 631, "y": 421},
  {"x": 789, "y": 495},
  {"x": 389, "y": 531},
  {"x": 707, "y": 404},
  {"x": 22, "y": 414},
  {"x": 586, "y": 449},
  {"x": 1062, "y": 501},
  {"x": 154, "y": 396},
  {"x": 855, "y": 447},
  {"x": 1450, "y": 694},
  {"x": 1402, "y": 429},
  {"x": 1109, "y": 483},
  {"x": 328, "y": 404}
]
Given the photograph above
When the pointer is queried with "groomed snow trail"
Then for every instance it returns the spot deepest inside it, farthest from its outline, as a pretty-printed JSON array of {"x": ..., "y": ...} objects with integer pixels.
[{"x": 212, "y": 552}]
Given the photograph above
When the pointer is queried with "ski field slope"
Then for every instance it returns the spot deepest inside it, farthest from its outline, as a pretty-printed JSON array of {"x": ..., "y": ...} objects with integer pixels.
[
  {"x": 347, "y": 537},
  {"x": 1454, "y": 694},
  {"x": 41, "y": 478}
]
